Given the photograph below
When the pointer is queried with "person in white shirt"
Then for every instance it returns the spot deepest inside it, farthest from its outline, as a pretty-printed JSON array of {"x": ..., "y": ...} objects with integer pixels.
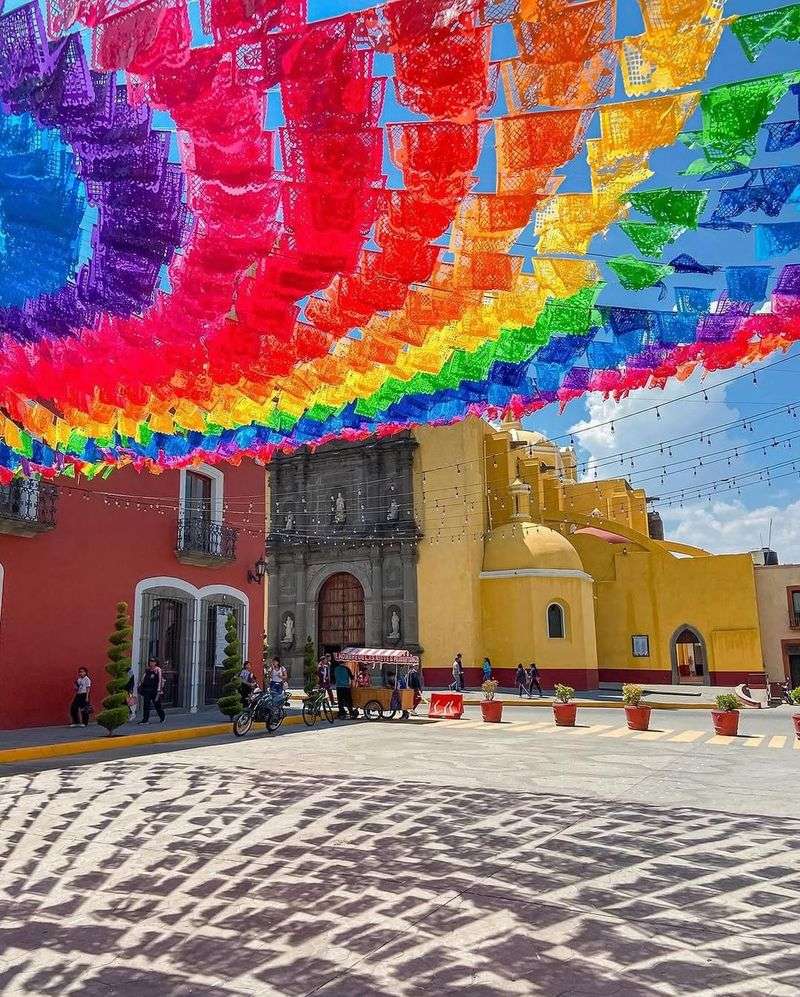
[
  {"x": 79, "y": 708},
  {"x": 278, "y": 678}
]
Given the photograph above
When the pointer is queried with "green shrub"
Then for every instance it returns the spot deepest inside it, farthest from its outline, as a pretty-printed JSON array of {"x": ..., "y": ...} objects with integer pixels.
[
  {"x": 230, "y": 702},
  {"x": 489, "y": 688},
  {"x": 632, "y": 695},
  {"x": 794, "y": 695},
  {"x": 727, "y": 702},
  {"x": 309, "y": 666},
  {"x": 115, "y": 705},
  {"x": 564, "y": 693}
]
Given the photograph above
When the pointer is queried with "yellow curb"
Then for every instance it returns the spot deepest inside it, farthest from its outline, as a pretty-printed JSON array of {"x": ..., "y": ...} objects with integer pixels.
[{"x": 39, "y": 751}]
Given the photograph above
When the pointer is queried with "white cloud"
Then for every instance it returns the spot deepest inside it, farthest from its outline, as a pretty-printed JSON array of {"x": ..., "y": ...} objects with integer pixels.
[
  {"x": 724, "y": 525},
  {"x": 596, "y": 441},
  {"x": 728, "y": 527}
]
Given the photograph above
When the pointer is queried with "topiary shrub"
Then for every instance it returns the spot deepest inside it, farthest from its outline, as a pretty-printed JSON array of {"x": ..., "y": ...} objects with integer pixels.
[
  {"x": 115, "y": 705},
  {"x": 309, "y": 666},
  {"x": 230, "y": 702},
  {"x": 727, "y": 702},
  {"x": 489, "y": 688},
  {"x": 794, "y": 695}
]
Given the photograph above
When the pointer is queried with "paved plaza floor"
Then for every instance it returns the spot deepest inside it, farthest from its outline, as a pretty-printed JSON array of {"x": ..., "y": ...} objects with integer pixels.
[{"x": 419, "y": 858}]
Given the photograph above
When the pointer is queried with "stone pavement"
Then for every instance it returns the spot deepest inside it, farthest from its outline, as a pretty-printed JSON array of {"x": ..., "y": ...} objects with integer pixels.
[{"x": 407, "y": 859}]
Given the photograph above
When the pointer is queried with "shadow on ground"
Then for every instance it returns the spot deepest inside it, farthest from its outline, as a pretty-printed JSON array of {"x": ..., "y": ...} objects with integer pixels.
[{"x": 131, "y": 877}]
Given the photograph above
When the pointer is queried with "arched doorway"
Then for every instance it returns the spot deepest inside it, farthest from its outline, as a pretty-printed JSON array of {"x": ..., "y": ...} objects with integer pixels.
[
  {"x": 340, "y": 613},
  {"x": 689, "y": 663}
]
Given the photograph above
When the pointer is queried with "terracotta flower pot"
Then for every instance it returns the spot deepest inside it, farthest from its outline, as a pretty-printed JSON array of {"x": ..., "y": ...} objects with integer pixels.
[
  {"x": 726, "y": 722},
  {"x": 565, "y": 714},
  {"x": 796, "y": 722},
  {"x": 638, "y": 717},
  {"x": 492, "y": 711}
]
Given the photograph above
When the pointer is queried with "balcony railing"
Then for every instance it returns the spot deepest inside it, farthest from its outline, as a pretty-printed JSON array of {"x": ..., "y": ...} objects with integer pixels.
[
  {"x": 27, "y": 506},
  {"x": 202, "y": 541}
]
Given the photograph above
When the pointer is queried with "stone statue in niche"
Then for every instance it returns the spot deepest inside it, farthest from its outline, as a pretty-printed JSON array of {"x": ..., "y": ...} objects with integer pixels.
[
  {"x": 394, "y": 630},
  {"x": 394, "y": 512},
  {"x": 288, "y": 630},
  {"x": 289, "y": 524},
  {"x": 339, "y": 509}
]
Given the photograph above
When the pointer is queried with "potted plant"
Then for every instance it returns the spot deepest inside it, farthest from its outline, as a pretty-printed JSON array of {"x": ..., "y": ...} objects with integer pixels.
[
  {"x": 794, "y": 695},
  {"x": 726, "y": 715},
  {"x": 491, "y": 708},
  {"x": 638, "y": 716},
  {"x": 563, "y": 710}
]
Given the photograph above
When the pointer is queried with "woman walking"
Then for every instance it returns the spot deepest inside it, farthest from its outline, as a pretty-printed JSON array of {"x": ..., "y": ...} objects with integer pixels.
[{"x": 522, "y": 681}]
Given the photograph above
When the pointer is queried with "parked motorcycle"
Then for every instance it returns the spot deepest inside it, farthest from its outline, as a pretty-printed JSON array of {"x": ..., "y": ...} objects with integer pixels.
[{"x": 261, "y": 707}]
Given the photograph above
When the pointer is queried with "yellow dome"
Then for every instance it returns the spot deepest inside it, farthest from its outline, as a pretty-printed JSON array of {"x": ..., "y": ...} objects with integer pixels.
[{"x": 529, "y": 545}]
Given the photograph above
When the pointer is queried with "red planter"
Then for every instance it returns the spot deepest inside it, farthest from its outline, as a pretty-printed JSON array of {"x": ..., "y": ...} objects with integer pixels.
[
  {"x": 726, "y": 722},
  {"x": 638, "y": 717},
  {"x": 492, "y": 711},
  {"x": 796, "y": 722},
  {"x": 565, "y": 714}
]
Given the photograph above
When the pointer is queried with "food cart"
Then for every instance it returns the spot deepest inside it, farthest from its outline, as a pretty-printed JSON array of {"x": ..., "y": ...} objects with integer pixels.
[{"x": 382, "y": 700}]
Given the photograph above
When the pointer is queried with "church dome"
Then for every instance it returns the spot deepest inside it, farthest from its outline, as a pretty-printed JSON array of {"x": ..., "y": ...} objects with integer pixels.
[{"x": 529, "y": 545}]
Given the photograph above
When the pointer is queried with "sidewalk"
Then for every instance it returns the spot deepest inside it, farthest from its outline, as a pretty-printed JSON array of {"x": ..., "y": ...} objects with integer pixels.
[
  {"x": 43, "y": 742},
  {"x": 51, "y": 742}
]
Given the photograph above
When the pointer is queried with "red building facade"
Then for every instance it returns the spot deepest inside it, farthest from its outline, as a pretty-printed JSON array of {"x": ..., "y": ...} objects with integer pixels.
[{"x": 180, "y": 548}]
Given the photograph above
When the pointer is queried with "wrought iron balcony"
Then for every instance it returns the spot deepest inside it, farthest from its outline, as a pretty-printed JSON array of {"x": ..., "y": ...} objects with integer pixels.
[
  {"x": 203, "y": 541},
  {"x": 27, "y": 507}
]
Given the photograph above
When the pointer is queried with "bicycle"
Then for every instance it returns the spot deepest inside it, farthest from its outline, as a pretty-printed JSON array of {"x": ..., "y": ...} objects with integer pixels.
[{"x": 315, "y": 706}]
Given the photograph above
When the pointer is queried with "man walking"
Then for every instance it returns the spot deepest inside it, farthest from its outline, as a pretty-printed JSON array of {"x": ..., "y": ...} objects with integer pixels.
[
  {"x": 343, "y": 680},
  {"x": 456, "y": 685},
  {"x": 521, "y": 679},
  {"x": 151, "y": 687},
  {"x": 533, "y": 680}
]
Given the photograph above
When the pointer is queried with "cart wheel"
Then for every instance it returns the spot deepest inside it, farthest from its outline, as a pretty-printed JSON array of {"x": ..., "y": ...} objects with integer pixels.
[
  {"x": 373, "y": 710},
  {"x": 390, "y": 715}
]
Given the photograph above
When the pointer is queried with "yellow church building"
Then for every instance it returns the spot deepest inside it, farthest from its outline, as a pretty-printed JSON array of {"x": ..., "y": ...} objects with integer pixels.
[{"x": 520, "y": 562}]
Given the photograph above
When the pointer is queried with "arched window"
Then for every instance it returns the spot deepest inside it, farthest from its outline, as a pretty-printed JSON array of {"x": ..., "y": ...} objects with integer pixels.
[{"x": 555, "y": 620}]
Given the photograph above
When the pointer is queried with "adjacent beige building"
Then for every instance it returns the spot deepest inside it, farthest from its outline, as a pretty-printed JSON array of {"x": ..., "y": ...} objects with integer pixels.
[{"x": 778, "y": 594}]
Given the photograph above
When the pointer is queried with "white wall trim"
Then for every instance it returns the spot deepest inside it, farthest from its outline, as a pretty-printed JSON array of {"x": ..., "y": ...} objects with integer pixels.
[
  {"x": 217, "y": 489},
  {"x": 197, "y": 595},
  {"x": 536, "y": 573}
]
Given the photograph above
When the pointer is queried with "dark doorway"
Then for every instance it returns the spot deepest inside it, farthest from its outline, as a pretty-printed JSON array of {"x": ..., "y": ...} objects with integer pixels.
[
  {"x": 165, "y": 644},
  {"x": 340, "y": 613},
  {"x": 689, "y": 658},
  {"x": 793, "y": 660}
]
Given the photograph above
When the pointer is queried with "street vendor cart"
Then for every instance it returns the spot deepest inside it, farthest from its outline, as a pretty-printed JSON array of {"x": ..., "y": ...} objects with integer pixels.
[{"x": 384, "y": 699}]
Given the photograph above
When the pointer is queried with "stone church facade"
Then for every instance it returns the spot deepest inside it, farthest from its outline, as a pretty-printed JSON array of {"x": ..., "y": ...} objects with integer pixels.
[{"x": 342, "y": 549}]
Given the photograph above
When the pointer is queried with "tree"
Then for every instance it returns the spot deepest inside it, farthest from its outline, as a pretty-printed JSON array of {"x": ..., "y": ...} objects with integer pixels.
[
  {"x": 230, "y": 702},
  {"x": 115, "y": 705},
  {"x": 309, "y": 665}
]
